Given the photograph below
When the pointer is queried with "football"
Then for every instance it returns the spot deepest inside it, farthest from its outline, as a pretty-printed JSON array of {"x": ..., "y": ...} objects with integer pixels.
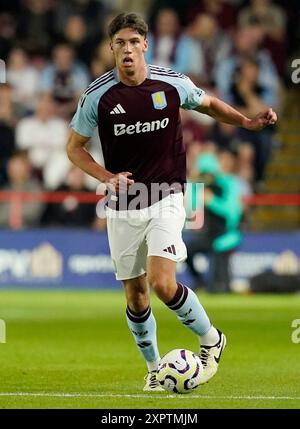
[{"x": 179, "y": 371}]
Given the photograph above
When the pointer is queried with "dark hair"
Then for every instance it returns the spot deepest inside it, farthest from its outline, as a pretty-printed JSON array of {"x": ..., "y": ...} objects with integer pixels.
[{"x": 128, "y": 20}]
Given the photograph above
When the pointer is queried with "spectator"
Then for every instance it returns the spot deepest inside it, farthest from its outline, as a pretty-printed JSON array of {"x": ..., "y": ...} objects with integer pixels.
[
  {"x": 230, "y": 164},
  {"x": 103, "y": 60},
  {"x": 35, "y": 24},
  {"x": 220, "y": 234},
  {"x": 168, "y": 47},
  {"x": 70, "y": 212},
  {"x": 247, "y": 92},
  {"x": 20, "y": 180},
  {"x": 92, "y": 12},
  {"x": 221, "y": 10},
  {"x": 8, "y": 109},
  {"x": 180, "y": 7},
  {"x": 194, "y": 135},
  {"x": 8, "y": 28},
  {"x": 23, "y": 78},
  {"x": 76, "y": 35},
  {"x": 44, "y": 135},
  {"x": 193, "y": 131},
  {"x": 10, "y": 112},
  {"x": 65, "y": 79},
  {"x": 272, "y": 18},
  {"x": 214, "y": 44},
  {"x": 7, "y": 132},
  {"x": 97, "y": 68},
  {"x": 247, "y": 43},
  {"x": 140, "y": 7},
  {"x": 235, "y": 156},
  {"x": 224, "y": 136},
  {"x": 249, "y": 96}
]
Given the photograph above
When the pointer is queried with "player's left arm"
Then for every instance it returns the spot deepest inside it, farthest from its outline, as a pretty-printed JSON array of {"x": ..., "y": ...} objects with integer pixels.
[{"x": 223, "y": 112}]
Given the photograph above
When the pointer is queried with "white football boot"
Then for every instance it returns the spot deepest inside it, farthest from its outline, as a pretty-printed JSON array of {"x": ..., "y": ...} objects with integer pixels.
[
  {"x": 152, "y": 384},
  {"x": 210, "y": 357}
]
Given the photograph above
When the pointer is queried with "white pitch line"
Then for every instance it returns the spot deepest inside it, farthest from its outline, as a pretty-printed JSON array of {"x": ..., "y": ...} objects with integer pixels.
[{"x": 117, "y": 395}]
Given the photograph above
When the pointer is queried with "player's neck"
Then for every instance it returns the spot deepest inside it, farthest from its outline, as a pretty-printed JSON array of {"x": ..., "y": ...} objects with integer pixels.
[{"x": 136, "y": 78}]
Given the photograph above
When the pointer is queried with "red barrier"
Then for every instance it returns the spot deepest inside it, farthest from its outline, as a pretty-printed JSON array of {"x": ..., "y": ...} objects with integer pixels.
[
  {"x": 17, "y": 199},
  {"x": 49, "y": 197},
  {"x": 91, "y": 197},
  {"x": 274, "y": 200}
]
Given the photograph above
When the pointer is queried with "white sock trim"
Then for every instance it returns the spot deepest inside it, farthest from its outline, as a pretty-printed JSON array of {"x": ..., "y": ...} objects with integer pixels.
[{"x": 210, "y": 338}]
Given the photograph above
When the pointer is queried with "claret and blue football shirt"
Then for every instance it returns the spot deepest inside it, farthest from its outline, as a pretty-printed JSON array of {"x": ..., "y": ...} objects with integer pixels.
[{"x": 139, "y": 126}]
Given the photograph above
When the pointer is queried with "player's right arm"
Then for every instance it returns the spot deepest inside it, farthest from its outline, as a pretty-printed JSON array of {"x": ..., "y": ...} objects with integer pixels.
[
  {"x": 78, "y": 154},
  {"x": 82, "y": 126}
]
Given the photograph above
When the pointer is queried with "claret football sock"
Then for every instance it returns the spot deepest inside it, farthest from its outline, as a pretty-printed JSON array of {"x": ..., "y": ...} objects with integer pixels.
[
  {"x": 189, "y": 310},
  {"x": 143, "y": 328}
]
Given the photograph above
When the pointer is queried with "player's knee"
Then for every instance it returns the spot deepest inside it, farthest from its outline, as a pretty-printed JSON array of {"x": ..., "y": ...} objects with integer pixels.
[{"x": 163, "y": 286}]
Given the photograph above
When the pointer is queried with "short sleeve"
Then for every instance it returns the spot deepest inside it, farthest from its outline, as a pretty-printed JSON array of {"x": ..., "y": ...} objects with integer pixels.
[
  {"x": 85, "y": 119},
  {"x": 190, "y": 95}
]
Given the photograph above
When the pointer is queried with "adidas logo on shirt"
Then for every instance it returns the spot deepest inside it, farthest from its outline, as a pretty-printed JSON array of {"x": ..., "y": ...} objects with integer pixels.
[
  {"x": 170, "y": 249},
  {"x": 117, "y": 110}
]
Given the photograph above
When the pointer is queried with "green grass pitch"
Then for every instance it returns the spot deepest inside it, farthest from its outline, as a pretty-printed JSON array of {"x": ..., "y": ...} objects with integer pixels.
[{"x": 72, "y": 349}]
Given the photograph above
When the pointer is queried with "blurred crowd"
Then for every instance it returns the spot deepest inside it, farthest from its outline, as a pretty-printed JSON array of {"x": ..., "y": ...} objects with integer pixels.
[{"x": 237, "y": 50}]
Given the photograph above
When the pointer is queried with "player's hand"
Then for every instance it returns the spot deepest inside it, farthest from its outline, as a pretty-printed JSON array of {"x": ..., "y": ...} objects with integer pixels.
[
  {"x": 261, "y": 120},
  {"x": 119, "y": 183}
]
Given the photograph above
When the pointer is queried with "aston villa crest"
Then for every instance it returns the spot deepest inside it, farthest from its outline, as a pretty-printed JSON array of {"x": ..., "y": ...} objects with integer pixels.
[{"x": 159, "y": 100}]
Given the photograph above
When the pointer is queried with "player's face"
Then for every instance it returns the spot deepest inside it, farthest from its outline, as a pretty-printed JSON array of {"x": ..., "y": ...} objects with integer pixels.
[{"x": 128, "y": 47}]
